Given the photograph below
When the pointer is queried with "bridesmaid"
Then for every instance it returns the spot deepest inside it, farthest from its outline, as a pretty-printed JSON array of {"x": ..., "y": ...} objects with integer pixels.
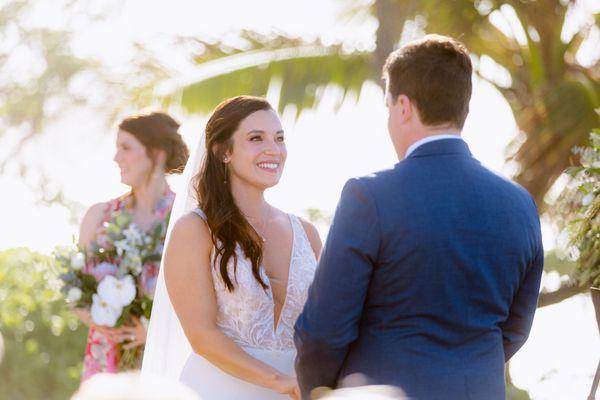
[{"x": 148, "y": 148}]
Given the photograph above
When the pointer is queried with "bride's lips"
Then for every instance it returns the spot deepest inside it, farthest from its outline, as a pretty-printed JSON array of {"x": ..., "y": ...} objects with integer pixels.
[{"x": 269, "y": 166}]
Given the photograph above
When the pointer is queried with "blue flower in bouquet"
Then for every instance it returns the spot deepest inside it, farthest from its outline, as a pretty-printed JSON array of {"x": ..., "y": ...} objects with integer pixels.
[
  {"x": 148, "y": 279},
  {"x": 103, "y": 269}
]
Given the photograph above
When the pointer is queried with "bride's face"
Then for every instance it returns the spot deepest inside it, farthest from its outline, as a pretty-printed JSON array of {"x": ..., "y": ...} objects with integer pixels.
[
  {"x": 258, "y": 153},
  {"x": 132, "y": 159}
]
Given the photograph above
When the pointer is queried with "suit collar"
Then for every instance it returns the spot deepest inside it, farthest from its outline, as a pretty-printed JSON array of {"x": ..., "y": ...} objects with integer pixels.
[
  {"x": 441, "y": 147},
  {"x": 428, "y": 139}
]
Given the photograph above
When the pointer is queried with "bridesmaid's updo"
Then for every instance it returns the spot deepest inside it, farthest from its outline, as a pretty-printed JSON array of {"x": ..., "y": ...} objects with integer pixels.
[{"x": 158, "y": 131}]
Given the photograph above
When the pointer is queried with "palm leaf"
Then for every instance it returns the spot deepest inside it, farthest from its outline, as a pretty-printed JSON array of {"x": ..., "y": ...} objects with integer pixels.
[
  {"x": 301, "y": 71},
  {"x": 256, "y": 60}
]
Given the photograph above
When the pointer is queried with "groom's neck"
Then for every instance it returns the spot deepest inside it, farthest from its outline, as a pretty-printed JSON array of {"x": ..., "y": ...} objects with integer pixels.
[{"x": 421, "y": 132}]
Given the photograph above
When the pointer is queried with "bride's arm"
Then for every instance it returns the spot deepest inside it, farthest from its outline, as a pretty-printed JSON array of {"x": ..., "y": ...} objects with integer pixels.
[{"x": 189, "y": 283}]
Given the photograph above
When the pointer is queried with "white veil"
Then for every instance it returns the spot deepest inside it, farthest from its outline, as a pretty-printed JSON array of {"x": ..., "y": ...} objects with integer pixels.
[{"x": 167, "y": 347}]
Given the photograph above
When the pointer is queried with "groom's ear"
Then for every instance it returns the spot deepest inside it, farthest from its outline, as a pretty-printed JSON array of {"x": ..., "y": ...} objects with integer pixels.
[{"x": 405, "y": 107}]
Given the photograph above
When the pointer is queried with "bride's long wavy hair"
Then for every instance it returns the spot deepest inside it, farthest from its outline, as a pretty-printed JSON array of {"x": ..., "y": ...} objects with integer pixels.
[{"x": 228, "y": 226}]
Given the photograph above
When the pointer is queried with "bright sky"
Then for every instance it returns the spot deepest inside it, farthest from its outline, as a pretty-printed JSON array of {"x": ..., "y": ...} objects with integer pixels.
[{"x": 325, "y": 149}]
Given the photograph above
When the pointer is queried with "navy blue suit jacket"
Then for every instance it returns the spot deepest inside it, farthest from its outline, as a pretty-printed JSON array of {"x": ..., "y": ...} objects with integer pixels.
[{"x": 428, "y": 281}]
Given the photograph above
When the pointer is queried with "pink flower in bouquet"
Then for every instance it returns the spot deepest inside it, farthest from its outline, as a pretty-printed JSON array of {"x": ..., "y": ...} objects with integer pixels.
[
  {"x": 148, "y": 278},
  {"x": 103, "y": 269},
  {"x": 103, "y": 241}
]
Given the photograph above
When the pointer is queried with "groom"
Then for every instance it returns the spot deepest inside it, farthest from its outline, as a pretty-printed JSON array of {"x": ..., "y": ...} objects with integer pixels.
[{"x": 430, "y": 275}]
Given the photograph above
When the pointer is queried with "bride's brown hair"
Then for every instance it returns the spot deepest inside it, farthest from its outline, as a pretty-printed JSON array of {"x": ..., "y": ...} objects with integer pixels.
[{"x": 228, "y": 226}]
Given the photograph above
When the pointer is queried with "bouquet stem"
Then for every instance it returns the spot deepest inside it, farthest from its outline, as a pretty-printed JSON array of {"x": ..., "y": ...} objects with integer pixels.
[{"x": 130, "y": 359}]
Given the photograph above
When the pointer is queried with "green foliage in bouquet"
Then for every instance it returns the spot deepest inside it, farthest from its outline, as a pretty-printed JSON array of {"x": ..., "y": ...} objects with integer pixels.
[
  {"x": 44, "y": 340},
  {"x": 577, "y": 212}
]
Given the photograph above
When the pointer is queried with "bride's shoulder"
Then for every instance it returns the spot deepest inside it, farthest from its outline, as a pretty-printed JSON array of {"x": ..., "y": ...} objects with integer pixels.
[
  {"x": 191, "y": 226},
  {"x": 309, "y": 228},
  {"x": 313, "y": 235}
]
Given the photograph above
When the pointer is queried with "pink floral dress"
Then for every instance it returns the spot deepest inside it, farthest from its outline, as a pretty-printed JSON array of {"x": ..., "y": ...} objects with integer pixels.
[{"x": 102, "y": 354}]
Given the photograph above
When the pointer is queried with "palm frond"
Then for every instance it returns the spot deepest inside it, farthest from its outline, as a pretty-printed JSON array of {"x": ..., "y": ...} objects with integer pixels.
[{"x": 301, "y": 71}]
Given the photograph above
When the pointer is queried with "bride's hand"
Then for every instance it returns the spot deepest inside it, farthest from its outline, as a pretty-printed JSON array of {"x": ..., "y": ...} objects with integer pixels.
[
  {"x": 285, "y": 384},
  {"x": 296, "y": 393}
]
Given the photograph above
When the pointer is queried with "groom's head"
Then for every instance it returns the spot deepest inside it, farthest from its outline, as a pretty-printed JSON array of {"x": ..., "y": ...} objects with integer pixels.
[{"x": 428, "y": 88}]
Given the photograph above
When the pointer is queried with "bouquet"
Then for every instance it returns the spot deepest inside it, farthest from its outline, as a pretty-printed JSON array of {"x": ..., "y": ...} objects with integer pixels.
[{"x": 114, "y": 278}]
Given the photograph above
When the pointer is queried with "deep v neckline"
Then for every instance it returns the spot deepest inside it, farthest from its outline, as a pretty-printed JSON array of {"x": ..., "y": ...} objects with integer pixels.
[{"x": 277, "y": 319}]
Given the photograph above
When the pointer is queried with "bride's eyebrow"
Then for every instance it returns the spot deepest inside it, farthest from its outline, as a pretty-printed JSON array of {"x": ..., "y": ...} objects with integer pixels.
[{"x": 261, "y": 131}]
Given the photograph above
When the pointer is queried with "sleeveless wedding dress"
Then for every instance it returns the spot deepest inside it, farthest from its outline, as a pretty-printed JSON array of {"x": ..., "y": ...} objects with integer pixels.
[{"x": 246, "y": 315}]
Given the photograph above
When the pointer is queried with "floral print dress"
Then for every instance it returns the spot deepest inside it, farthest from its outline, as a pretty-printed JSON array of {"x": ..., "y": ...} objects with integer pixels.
[{"x": 102, "y": 354}]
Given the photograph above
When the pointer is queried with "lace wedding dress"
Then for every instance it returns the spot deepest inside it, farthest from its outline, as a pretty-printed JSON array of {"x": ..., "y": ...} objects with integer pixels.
[{"x": 246, "y": 315}]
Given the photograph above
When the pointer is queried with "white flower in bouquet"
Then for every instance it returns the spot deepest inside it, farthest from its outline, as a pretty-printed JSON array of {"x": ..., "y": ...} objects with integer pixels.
[
  {"x": 117, "y": 292},
  {"x": 103, "y": 313},
  {"x": 135, "y": 265},
  {"x": 133, "y": 235},
  {"x": 132, "y": 262},
  {"x": 74, "y": 294},
  {"x": 122, "y": 246},
  {"x": 77, "y": 261}
]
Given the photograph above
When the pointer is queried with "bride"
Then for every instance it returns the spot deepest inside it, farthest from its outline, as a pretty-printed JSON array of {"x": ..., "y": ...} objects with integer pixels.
[{"x": 236, "y": 269}]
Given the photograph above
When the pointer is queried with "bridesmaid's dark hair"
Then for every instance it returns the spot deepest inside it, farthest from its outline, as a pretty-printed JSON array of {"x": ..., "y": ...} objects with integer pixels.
[
  {"x": 158, "y": 131},
  {"x": 228, "y": 226}
]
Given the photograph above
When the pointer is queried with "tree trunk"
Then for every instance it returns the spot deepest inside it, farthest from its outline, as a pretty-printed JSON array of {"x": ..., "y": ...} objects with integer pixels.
[{"x": 391, "y": 15}]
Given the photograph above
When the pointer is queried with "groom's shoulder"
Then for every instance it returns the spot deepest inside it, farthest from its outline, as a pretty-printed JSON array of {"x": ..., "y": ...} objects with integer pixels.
[
  {"x": 374, "y": 181},
  {"x": 505, "y": 182},
  {"x": 507, "y": 186},
  {"x": 377, "y": 176}
]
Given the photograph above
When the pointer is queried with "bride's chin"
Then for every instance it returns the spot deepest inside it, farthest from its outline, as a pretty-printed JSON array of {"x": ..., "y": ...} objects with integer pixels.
[
  {"x": 258, "y": 182},
  {"x": 264, "y": 185}
]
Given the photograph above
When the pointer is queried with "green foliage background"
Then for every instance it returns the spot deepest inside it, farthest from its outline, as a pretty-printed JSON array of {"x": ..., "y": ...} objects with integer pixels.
[{"x": 44, "y": 341}]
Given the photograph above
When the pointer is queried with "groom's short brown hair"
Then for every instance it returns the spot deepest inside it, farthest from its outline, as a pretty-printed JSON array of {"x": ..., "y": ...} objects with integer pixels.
[{"x": 435, "y": 74}]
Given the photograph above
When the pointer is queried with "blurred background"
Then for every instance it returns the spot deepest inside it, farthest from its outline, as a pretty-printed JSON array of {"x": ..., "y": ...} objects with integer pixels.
[{"x": 71, "y": 69}]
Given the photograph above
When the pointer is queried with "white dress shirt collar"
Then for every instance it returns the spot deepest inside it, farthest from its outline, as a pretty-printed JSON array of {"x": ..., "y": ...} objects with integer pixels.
[{"x": 429, "y": 139}]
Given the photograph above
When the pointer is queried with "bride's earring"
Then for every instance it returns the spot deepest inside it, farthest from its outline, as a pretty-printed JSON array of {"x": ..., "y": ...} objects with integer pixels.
[{"x": 225, "y": 161}]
